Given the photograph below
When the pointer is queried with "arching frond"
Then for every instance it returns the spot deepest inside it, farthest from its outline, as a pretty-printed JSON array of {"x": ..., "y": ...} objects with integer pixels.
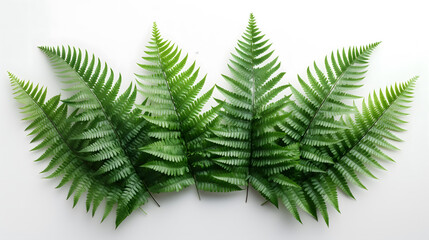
[
  {"x": 178, "y": 125},
  {"x": 357, "y": 148},
  {"x": 314, "y": 110},
  {"x": 118, "y": 129},
  {"x": 51, "y": 127}
]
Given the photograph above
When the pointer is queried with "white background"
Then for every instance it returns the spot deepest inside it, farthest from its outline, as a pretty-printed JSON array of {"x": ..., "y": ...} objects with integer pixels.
[{"x": 394, "y": 207}]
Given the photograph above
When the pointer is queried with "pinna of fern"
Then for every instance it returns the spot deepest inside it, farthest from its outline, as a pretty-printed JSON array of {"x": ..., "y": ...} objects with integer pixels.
[
  {"x": 178, "y": 125},
  {"x": 52, "y": 127},
  {"x": 358, "y": 147},
  {"x": 116, "y": 131},
  {"x": 246, "y": 136}
]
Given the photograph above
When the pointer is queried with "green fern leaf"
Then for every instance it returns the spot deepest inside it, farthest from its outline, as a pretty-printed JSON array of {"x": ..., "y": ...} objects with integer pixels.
[
  {"x": 120, "y": 130},
  {"x": 178, "y": 125},
  {"x": 315, "y": 109},
  {"x": 245, "y": 137},
  {"x": 357, "y": 148},
  {"x": 51, "y": 126}
]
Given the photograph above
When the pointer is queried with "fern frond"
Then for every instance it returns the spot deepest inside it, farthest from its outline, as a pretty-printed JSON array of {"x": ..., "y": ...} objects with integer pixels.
[
  {"x": 51, "y": 126},
  {"x": 179, "y": 127},
  {"x": 322, "y": 99},
  {"x": 120, "y": 130},
  {"x": 358, "y": 147},
  {"x": 245, "y": 137}
]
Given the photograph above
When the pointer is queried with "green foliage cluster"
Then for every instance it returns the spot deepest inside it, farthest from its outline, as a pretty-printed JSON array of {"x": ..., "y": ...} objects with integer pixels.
[{"x": 295, "y": 149}]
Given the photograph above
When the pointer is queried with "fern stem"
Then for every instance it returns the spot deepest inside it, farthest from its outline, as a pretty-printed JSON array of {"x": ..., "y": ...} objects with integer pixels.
[
  {"x": 177, "y": 115},
  {"x": 151, "y": 196},
  {"x": 247, "y": 189}
]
